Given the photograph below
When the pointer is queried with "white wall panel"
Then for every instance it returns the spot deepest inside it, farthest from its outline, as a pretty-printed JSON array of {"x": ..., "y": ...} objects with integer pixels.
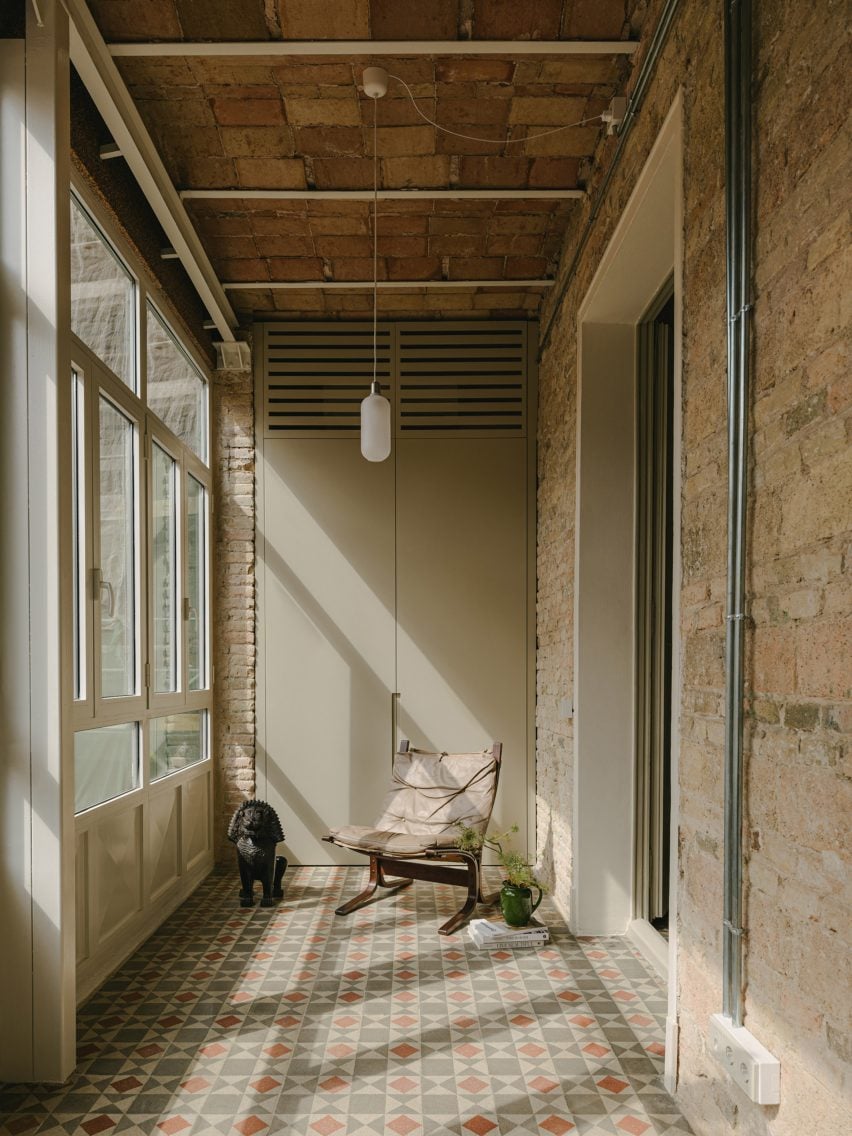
[
  {"x": 162, "y": 846},
  {"x": 327, "y": 562},
  {"x": 195, "y": 821},
  {"x": 116, "y": 858}
]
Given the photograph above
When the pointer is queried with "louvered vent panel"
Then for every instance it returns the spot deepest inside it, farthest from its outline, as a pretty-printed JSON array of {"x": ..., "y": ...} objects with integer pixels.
[
  {"x": 464, "y": 380},
  {"x": 315, "y": 377}
]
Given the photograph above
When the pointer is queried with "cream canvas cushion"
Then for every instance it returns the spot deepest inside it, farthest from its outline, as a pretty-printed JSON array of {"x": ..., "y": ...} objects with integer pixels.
[{"x": 430, "y": 795}]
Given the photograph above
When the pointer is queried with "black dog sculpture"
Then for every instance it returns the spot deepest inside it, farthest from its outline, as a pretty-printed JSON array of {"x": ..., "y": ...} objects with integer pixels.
[{"x": 256, "y": 829}]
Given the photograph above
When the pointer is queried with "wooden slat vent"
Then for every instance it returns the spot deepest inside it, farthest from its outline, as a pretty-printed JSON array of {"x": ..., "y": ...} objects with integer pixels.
[
  {"x": 315, "y": 378},
  {"x": 462, "y": 381}
]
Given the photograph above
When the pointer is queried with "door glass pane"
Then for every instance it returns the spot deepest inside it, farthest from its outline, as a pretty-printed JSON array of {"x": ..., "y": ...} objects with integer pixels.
[
  {"x": 117, "y": 552},
  {"x": 196, "y": 584},
  {"x": 164, "y": 591},
  {"x": 78, "y": 534},
  {"x": 102, "y": 298},
  {"x": 176, "y": 741},
  {"x": 106, "y": 764},
  {"x": 177, "y": 393}
]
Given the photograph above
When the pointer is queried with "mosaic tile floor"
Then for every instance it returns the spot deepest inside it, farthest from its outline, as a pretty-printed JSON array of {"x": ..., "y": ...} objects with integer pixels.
[{"x": 291, "y": 1020}]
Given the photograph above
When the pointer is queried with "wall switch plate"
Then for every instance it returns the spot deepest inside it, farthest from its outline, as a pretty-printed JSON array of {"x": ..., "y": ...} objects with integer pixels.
[
  {"x": 748, "y": 1062},
  {"x": 566, "y": 708}
]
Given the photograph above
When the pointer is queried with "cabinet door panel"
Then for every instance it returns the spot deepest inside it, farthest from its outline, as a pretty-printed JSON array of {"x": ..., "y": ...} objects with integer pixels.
[
  {"x": 327, "y": 637},
  {"x": 462, "y": 602}
]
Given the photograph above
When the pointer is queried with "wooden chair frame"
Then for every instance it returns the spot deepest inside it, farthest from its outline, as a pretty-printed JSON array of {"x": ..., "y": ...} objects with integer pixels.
[{"x": 432, "y": 865}]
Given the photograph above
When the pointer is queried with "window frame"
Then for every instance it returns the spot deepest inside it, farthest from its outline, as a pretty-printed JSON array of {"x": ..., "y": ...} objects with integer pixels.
[{"x": 94, "y": 378}]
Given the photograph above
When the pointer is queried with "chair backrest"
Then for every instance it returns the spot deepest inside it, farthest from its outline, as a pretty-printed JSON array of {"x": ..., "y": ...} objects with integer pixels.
[{"x": 432, "y": 793}]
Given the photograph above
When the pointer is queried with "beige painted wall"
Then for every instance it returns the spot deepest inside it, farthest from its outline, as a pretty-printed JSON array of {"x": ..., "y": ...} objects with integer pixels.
[{"x": 798, "y": 679}]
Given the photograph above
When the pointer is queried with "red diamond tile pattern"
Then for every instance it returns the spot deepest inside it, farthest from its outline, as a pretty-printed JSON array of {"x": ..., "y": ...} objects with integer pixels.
[{"x": 333, "y": 1051}]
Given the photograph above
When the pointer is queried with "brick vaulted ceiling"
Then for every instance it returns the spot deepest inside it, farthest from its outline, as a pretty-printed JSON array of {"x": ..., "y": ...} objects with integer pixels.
[{"x": 264, "y": 122}]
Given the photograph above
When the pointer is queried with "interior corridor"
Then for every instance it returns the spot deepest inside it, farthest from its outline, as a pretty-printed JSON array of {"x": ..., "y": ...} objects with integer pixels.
[{"x": 290, "y": 1020}]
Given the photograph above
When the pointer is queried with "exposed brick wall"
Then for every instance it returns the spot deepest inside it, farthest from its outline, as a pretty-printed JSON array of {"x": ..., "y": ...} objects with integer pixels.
[
  {"x": 799, "y": 644},
  {"x": 234, "y": 614}
]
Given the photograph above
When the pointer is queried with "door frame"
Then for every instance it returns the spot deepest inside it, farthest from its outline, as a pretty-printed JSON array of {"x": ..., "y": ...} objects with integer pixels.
[{"x": 645, "y": 250}]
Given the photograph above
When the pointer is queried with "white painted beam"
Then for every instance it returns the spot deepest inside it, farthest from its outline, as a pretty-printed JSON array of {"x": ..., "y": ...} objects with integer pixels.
[
  {"x": 91, "y": 57},
  {"x": 370, "y": 47},
  {"x": 301, "y": 285},
  {"x": 383, "y": 195}
]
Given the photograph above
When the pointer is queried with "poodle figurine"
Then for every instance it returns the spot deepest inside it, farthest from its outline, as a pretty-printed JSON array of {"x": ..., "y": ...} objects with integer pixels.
[{"x": 256, "y": 829}]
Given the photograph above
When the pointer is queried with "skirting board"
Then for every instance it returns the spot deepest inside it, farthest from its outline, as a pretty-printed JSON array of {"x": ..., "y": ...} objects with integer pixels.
[{"x": 651, "y": 945}]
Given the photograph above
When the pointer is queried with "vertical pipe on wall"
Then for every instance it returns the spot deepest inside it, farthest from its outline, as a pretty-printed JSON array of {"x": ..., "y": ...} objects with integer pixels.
[{"x": 738, "y": 272}]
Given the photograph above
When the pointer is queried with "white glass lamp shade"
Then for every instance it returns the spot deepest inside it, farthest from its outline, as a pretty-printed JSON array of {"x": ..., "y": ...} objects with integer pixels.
[{"x": 375, "y": 426}]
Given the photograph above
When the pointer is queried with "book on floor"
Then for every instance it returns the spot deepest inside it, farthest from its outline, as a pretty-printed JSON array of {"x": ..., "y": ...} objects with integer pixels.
[{"x": 494, "y": 934}]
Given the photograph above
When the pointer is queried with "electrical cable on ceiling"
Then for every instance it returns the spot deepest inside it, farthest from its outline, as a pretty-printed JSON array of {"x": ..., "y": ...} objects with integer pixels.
[{"x": 494, "y": 141}]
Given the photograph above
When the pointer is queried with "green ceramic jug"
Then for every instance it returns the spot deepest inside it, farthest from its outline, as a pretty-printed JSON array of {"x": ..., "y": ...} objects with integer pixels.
[{"x": 517, "y": 905}]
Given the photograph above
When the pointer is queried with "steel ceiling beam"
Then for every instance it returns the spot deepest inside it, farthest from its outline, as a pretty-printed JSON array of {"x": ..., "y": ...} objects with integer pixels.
[
  {"x": 296, "y": 285},
  {"x": 361, "y": 48},
  {"x": 383, "y": 194}
]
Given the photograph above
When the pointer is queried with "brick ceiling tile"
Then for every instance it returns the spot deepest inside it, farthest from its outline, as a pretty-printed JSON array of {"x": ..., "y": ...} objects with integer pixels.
[
  {"x": 343, "y": 173},
  {"x": 226, "y": 247},
  {"x": 454, "y": 70},
  {"x": 289, "y": 225},
  {"x": 355, "y": 302},
  {"x": 509, "y": 205},
  {"x": 436, "y": 19},
  {"x": 202, "y": 173},
  {"x": 414, "y": 267},
  {"x": 405, "y": 225},
  {"x": 271, "y": 173},
  {"x": 344, "y": 246},
  {"x": 409, "y": 247},
  {"x": 330, "y": 141},
  {"x": 165, "y": 114},
  {"x": 340, "y": 208},
  {"x": 558, "y": 173},
  {"x": 399, "y": 112},
  {"x": 323, "y": 112},
  {"x": 356, "y": 268},
  {"x": 228, "y": 226},
  {"x": 249, "y": 111},
  {"x": 459, "y": 244},
  {"x": 309, "y": 302},
  {"x": 516, "y": 19},
  {"x": 336, "y": 225},
  {"x": 459, "y": 113},
  {"x": 200, "y": 142},
  {"x": 401, "y": 141},
  {"x": 240, "y": 91},
  {"x": 455, "y": 225},
  {"x": 581, "y": 69},
  {"x": 594, "y": 19},
  {"x": 257, "y": 141},
  {"x": 416, "y": 70},
  {"x": 578, "y": 142},
  {"x": 475, "y": 207},
  {"x": 518, "y": 244},
  {"x": 217, "y": 71},
  {"x": 447, "y": 301},
  {"x": 450, "y": 144},
  {"x": 421, "y": 206},
  {"x": 284, "y": 245},
  {"x": 525, "y": 267},
  {"x": 494, "y": 172},
  {"x": 476, "y": 268},
  {"x": 420, "y": 173},
  {"x": 253, "y": 301},
  {"x": 124, "y": 20},
  {"x": 325, "y": 19},
  {"x": 295, "y": 268},
  {"x": 553, "y": 111},
  {"x": 505, "y": 224},
  {"x": 241, "y": 269},
  {"x": 326, "y": 74},
  {"x": 236, "y": 19}
]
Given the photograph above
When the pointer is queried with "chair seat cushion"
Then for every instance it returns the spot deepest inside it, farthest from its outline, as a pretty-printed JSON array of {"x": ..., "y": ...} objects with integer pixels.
[{"x": 362, "y": 838}]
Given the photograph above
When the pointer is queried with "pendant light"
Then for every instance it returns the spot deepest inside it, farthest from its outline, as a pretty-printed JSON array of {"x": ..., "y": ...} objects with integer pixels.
[{"x": 375, "y": 409}]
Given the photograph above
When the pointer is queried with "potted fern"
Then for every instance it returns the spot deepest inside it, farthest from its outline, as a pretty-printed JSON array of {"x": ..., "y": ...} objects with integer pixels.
[{"x": 516, "y": 900}]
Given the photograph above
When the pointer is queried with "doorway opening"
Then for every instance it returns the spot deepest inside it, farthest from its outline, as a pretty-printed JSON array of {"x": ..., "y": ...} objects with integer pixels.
[{"x": 655, "y": 512}]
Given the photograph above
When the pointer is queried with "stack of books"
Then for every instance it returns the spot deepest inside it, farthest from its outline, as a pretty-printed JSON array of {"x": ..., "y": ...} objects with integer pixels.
[{"x": 493, "y": 934}]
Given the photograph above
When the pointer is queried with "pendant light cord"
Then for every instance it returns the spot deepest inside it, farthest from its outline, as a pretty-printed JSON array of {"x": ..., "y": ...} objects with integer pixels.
[
  {"x": 493, "y": 141},
  {"x": 375, "y": 240}
]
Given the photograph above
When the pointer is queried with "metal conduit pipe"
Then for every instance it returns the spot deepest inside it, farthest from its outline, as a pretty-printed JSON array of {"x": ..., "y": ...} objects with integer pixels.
[
  {"x": 635, "y": 101},
  {"x": 738, "y": 105}
]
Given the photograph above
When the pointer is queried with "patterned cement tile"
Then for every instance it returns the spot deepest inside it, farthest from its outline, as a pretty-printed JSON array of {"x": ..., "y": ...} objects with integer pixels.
[{"x": 291, "y": 1020}]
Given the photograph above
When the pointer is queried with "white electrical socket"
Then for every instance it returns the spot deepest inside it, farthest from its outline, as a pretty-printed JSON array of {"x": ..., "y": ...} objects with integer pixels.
[{"x": 749, "y": 1063}]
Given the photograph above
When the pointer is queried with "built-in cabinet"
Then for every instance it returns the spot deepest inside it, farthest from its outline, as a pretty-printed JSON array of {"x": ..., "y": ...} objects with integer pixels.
[{"x": 395, "y": 597}]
